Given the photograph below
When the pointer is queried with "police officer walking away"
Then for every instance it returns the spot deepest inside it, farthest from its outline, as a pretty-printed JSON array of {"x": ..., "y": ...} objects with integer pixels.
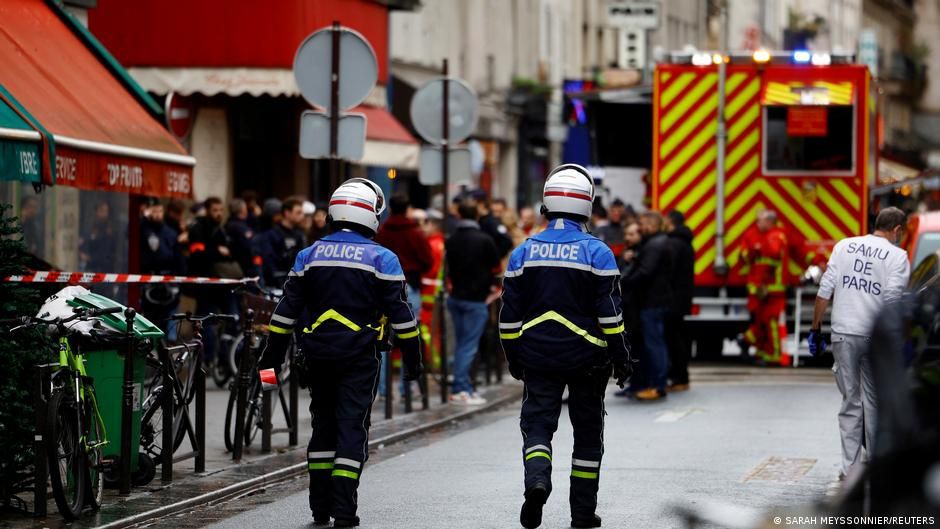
[
  {"x": 864, "y": 273},
  {"x": 336, "y": 299},
  {"x": 561, "y": 325}
]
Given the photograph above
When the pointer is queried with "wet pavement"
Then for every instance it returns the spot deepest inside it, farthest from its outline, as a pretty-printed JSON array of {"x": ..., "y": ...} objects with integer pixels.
[
  {"x": 751, "y": 438},
  {"x": 224, "y": 479}
]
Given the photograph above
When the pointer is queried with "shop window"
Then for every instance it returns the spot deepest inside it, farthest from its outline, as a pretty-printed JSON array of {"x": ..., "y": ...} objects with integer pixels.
[{"x": 73, "y": 230}]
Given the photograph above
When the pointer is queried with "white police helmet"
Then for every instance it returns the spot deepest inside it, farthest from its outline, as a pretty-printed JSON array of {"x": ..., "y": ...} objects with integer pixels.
[
  {"x": 569, "y": 188},
  {"x": 358, "y": 201}
]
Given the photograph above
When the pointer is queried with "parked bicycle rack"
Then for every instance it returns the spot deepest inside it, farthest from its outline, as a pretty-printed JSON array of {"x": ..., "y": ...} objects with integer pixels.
[
  {"x": 292, "y": 416},
  {"x": 246, "y": 370},
  {"x": 197, "y": 433}
]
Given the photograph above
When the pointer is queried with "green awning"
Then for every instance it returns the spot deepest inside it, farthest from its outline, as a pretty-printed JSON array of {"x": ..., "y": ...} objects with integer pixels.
[{"x": 20, "y": 158}]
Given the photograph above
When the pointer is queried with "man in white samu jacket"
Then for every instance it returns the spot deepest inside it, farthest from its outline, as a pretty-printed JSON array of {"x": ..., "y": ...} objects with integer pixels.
[{"x": 864, "y": 273}]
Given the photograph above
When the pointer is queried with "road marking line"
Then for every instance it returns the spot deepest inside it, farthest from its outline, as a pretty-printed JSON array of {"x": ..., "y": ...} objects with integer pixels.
[{"x": 675, "y": 415}]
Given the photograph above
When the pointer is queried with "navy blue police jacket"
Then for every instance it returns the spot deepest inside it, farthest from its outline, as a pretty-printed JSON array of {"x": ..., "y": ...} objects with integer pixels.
[
  {"x": 336, "y": 297},
  {"x": 561, "y": 305}
]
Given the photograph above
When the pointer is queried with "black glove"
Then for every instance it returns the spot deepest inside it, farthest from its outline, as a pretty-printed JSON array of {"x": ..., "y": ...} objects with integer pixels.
[
  {"x": 411, "y": 360},
  {"x": 272, "y": 356},
  {"x": 623, "y": 369}
]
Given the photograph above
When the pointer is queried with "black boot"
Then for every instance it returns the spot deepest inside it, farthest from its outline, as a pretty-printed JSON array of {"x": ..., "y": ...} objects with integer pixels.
[
  {"x": 346, "y": 522},
  {"x": 590, "y": 521},
  {"x": 321, "y": 520},
  {"x": 531, "y": 515}
]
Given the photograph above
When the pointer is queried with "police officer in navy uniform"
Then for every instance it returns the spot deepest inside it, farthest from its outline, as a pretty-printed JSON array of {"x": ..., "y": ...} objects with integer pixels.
[
  {"x": 342, "y": 296},
  {"x": 561, "y": 325}
]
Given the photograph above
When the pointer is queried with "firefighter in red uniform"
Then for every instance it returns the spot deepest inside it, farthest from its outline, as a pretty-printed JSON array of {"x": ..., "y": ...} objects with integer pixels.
[
  {"x": 764, "y": 257},
  {"x": 431, "y": 284}
]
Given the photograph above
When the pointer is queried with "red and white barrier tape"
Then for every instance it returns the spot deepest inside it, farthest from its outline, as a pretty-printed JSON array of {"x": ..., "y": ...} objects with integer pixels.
[{"x": 75, "y": 278}]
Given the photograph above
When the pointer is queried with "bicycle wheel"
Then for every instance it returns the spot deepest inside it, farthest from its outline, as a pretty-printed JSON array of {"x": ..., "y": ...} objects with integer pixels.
[
  {"x": 230, "y": 418},
  {"x": 253, "y": 415},
  {"x": 151, "y": 428},
  {"x": 94, "y": 488},
  {"x": 235, "y": 354},
  {"x": 66, "y": 455}
]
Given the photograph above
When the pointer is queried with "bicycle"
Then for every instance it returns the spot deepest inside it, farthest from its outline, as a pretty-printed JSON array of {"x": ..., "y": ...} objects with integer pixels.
[
  {"x": 184, "y": 361},
  {"x": 263, "y": 305},
  {"x": 253, "y": 418},
  {"x": 74, "y": 430}
]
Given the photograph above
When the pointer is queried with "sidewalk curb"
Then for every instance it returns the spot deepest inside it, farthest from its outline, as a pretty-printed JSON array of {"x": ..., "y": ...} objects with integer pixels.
[{"x": 283, "y": 474}]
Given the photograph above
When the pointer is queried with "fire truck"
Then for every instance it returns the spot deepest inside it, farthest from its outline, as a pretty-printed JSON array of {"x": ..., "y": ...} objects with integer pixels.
[{"x": 793, "y": 132}]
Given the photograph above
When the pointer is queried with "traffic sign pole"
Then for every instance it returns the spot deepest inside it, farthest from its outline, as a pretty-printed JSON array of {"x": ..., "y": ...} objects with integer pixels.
[
  {"x": 334, "y": 107},
  {"x": 445, "y": 169}
]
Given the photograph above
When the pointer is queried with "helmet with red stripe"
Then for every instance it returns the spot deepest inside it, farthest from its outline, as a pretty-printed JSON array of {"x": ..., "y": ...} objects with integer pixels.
[
  {"x": 358, "y": 201},
  {"x": 569, "y": 189}
]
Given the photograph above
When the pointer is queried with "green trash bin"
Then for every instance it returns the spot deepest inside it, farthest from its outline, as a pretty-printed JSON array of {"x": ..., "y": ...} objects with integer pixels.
[{"x": 106, "y": 366}]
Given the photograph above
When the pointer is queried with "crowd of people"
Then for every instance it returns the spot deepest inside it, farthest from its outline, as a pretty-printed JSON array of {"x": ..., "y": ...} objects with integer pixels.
[{"x": 252, "y": 238}]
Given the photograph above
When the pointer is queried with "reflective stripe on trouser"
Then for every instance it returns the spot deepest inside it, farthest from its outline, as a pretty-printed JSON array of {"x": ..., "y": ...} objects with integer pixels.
[
  {"x": 541, "y": 407},
  {"x": 764, "y": 332},
  {"x": 853, "y": 375},
  {"x": 341, "y": 395}
]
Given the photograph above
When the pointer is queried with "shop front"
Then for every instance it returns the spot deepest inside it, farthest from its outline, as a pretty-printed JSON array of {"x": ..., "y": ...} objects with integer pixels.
[{"x": 80, "y": 143}]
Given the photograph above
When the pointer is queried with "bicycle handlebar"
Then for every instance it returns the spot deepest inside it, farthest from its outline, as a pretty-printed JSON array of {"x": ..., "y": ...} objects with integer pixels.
[
  {"x": 188, "y": 316},
  {"x": 79, "y": 313}
]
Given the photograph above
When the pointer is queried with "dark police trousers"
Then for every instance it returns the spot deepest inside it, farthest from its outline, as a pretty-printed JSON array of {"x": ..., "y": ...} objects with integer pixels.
[
  {"x": 341, "y": 394},
  {"x": 541, "y": 406}
]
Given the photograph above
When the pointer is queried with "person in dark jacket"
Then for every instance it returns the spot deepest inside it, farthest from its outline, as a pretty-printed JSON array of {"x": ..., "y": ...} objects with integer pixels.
[
  {"x": 339, "y": 292},
  {"x": 405, "y": 239},
  {"x": 633, "y": 239},
  {"x": 160, "y": 253},
  {"x": 471, "y": 257},
  {"x": 650, "y": 279},
  {"x": 240, "y": 232},
  {"x": 210, "y": 254},
  {"x": 492, "y": 225},
  {"x": 683, "y": 276},
  {"x": 277, "y": 248},
  {"x": 561, "y": 326}
]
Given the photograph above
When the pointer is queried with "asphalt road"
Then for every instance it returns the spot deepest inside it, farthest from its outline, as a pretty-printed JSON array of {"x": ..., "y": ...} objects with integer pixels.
[{"x": 712, "y": 444}]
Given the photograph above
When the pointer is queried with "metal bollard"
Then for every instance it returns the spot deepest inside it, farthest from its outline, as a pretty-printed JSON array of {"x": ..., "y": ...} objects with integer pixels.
[
  {"x": 407, "y": 395},
  {"x": 41, "y": 471},
  {"x": 127, "y": 410},
  {"x": 169, "y": 436},
  {"x": 442, "y": 325},
  {"x": 266, "y": 421},
  {"x": 199, "y": 383},
  {"x": 423, "y": 384}
]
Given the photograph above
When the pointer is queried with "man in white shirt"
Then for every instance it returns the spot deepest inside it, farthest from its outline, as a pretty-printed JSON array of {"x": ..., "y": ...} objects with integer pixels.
[{"x": 864, "y": 273}]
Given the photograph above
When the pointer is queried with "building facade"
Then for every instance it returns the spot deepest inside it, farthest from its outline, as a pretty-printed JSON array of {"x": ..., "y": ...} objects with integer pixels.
[{"x": 234, "y": 61}]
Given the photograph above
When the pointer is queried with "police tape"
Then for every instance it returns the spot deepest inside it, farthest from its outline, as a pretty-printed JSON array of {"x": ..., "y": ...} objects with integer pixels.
[{"x": 76, "y": 278}]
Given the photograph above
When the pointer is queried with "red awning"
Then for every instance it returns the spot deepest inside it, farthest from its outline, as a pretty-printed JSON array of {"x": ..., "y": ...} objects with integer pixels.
[
  {"x": 382, "y": 126},
  {"x": 105, "y": 139}
]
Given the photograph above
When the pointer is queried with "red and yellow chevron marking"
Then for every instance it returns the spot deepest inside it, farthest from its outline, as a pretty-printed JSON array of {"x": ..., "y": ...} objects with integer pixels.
[{"x": 684, "y": 168}]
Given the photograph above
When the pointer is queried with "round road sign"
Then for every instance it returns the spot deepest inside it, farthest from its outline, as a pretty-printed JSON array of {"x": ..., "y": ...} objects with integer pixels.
[
  {"x": 358, "y": 68},
  {"x": 427, "y": 107},
  {"x": 179, "y": 113}
]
